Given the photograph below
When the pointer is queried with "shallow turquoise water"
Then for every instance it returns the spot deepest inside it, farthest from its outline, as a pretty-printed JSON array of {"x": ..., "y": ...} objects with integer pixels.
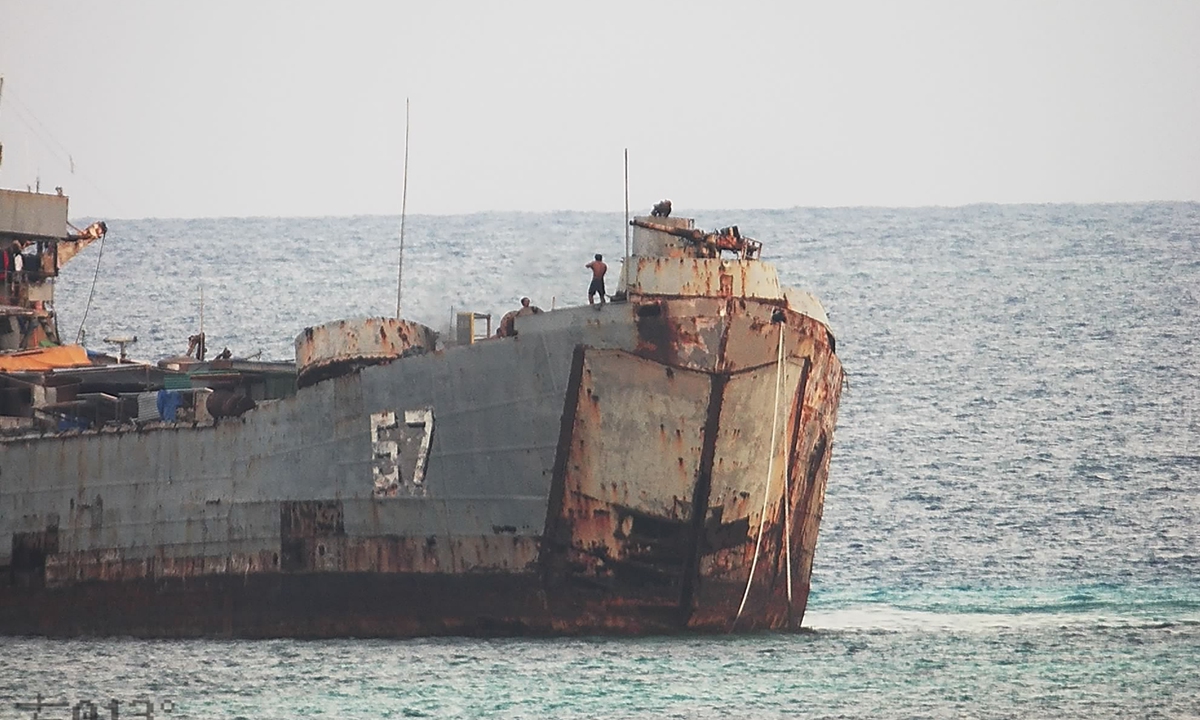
[
  {"x": 867, "y": 660},
  {"x": 1013, "y": 515}
]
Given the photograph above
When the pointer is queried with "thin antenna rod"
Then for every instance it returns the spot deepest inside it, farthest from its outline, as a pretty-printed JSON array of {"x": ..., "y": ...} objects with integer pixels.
[
  {"x": 1, "y": 102},
  {"x": 627, "y": 248},
  {"x": 403, "y": 213}
]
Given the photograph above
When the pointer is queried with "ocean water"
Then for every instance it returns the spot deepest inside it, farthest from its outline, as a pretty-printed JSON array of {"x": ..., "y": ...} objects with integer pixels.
[{"x": 1012, "y": 524}]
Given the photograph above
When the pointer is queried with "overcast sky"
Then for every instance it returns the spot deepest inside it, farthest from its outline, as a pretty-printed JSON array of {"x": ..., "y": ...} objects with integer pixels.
[{"x": 282, "y": 109}]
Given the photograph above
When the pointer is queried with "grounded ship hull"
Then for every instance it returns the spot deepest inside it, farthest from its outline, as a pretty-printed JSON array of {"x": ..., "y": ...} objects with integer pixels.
[{"x": 603, "y": 471}]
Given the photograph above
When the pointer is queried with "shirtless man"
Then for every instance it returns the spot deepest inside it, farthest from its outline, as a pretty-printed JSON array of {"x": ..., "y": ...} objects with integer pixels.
[
  {"x": 598, "y": 269},
  {"x": 527, "y": 309}
]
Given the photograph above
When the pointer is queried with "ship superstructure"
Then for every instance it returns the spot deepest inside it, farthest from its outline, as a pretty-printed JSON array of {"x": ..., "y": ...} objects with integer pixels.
[{"x": 35, "y": 243}]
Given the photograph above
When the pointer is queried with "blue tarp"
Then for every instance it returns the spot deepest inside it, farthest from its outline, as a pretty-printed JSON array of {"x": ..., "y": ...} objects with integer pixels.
[{"x": 168, "y": 402}]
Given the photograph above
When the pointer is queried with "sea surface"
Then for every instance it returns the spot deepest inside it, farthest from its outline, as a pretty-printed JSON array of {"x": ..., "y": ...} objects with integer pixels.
[{"x": 1012, "y": 524}]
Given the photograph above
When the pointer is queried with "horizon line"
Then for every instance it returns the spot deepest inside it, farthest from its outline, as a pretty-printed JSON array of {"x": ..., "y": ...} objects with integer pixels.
[{"x": 934, "y": 206}]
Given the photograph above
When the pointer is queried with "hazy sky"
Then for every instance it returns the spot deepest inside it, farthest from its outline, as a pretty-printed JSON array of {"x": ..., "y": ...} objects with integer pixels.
[{"x": 254, "y": 108}]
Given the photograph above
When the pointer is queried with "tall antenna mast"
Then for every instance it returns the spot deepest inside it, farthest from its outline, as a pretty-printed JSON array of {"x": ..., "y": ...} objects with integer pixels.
[
  {"x": 627, "y": 248},
  {"x": 403, "y": 212},
  {"x": 1, "y": 99}
]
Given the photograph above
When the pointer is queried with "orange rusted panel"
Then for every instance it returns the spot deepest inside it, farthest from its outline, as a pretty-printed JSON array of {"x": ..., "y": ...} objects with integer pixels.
[
  {"x": 328, "y": 350},
  {"x": 65, "y": 356}
]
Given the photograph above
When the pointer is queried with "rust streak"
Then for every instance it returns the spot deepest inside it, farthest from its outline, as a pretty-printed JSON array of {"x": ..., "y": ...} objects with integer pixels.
[
  {"x": 700, "y": 496},
  {"x": 555, "y": 537}
]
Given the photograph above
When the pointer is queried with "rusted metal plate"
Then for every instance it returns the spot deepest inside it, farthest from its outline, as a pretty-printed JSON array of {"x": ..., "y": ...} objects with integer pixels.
[
  {"x": 753, "y": 335},
  {"x": 633, "y": 458},
  {"x": 315, "y": 552},
  {"x": 720, "y": 336},
  {"x": 621, "y": 525},
  {"x": 331, "y": 349},
  {"x": 702, "y": 277},
  {"x": 808, "y": 414},
  {"x": 27, "y": 563},
  {"x": 806, "y": 304},
  {"x": 743, "y": 451},
  {"x": 740, "y": 480},
  {"x": 420, "y": 555},
  {"x": 638, "y": 433},
  {"x": 306, "y": 530},
  {"x": 685, "y": 333}
]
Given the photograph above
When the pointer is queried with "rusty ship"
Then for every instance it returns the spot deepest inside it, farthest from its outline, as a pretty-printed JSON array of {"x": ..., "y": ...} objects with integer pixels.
[{"x": 653, "y": 464}]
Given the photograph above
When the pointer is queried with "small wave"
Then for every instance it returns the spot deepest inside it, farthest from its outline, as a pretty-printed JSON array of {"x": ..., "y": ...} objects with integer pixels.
[{"x": 884, "y": 618}]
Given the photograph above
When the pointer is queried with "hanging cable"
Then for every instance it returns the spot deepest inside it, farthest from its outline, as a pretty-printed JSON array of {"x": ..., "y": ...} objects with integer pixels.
[
  {"x": 762, "y": 521},
  {"x": 88, "y": 306},
  {"x": 59, "y": 151},
  {"x": 44, "y": 133}
]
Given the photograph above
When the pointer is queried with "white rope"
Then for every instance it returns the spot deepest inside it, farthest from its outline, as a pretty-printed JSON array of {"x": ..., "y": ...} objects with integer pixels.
[
  {"x": 787, "y": 527},
  {"x": 762, "y": 521},
  {"x": 91, "y": 293}
]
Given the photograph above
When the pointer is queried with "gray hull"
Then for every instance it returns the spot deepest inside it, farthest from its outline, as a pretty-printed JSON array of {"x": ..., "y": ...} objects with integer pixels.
[{"x": 604, "y": 471}]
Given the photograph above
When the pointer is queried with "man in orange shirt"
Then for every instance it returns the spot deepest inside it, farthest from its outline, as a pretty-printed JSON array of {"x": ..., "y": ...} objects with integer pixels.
[{"x": 598, "y": 269}]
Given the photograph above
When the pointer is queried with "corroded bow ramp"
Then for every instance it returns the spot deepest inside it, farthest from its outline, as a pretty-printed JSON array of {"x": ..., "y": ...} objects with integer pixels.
[
  {"x": 656, "y": 465},
  {"x": 724, "y": 403}
]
